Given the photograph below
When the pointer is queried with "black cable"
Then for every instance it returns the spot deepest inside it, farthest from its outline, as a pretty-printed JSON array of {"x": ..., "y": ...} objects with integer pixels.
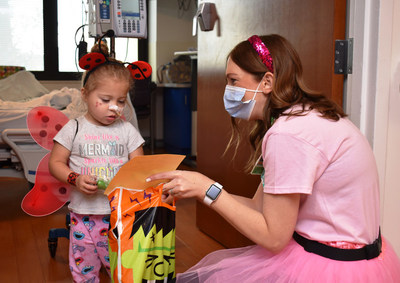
[
  {"x": 82, "y": 26},
  {"x": 80, "y": 46},
  {"x": 110, "y": 33}
]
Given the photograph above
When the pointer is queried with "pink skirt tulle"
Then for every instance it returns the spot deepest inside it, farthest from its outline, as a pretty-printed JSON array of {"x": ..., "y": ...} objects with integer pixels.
[{"x": 293, "y": 264}]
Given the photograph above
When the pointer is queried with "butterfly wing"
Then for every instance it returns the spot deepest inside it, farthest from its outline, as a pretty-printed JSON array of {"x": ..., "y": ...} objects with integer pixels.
[
  {"x": 44, "y": 122},
  {"x": 48, "y": 194}
]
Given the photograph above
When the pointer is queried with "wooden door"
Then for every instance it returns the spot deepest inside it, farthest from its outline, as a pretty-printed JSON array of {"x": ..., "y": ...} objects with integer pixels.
[{"x": 312, "y": 27}]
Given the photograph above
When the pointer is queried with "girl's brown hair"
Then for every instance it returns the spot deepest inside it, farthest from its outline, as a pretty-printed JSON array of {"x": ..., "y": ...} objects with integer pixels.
[
  {"x": 112, "y": 69},
  {"x": 289, "y": 89}
]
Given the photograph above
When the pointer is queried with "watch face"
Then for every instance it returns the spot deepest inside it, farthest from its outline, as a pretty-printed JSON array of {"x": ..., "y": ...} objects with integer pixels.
[{"x": 213, "y": 192}]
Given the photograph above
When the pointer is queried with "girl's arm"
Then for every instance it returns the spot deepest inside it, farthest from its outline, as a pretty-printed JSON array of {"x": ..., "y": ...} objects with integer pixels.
[
  {"x": 268, "y": 220},
  {"x": 136, "y": 152},
  {"x": 58, "y": 167}
]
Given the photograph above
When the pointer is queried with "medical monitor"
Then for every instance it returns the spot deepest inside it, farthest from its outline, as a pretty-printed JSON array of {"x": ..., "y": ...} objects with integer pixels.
[{"x": 128, "y": 18}]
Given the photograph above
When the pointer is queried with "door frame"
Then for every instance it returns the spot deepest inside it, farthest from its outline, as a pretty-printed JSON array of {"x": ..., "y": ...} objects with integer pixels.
[{"x": 370, "y": 96}]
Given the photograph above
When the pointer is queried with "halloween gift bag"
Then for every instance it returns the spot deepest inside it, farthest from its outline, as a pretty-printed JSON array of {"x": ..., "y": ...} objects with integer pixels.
[
  {"x": 142, "y": 227},
  {"x": 141, "y": 236}
]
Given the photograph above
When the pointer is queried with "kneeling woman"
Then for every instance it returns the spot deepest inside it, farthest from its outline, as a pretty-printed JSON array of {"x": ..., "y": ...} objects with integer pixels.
[{"x": 315, "y": 215}]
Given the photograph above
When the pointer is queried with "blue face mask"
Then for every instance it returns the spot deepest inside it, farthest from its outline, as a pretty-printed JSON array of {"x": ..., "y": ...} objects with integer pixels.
[{"x": 233, "y": 101}]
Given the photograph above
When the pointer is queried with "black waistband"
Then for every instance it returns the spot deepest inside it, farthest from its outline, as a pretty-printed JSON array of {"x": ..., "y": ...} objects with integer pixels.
[{"x": 368, "y": 252}]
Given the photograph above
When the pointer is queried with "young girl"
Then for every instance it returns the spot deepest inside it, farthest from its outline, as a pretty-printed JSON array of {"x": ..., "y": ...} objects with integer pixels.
[
  {"x": 315, "y": 216},
  {"x": 90, "y": 150}
]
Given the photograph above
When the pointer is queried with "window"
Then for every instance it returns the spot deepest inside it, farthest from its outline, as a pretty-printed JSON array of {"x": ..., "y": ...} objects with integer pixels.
[
  {"x": 22, "y": 43},
  {"x": 47, "y": 43}
]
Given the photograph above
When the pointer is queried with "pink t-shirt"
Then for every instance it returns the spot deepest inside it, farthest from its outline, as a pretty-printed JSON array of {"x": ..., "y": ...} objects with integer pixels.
[{"x": 332, "y": 165}]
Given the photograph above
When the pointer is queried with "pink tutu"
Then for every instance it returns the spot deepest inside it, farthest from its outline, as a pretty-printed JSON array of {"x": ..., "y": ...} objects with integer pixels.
[{"x": 293, "y": 264}]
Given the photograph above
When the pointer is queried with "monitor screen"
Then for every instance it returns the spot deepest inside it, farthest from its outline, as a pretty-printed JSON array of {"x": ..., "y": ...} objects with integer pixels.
[{"x": 130, "y": 9}]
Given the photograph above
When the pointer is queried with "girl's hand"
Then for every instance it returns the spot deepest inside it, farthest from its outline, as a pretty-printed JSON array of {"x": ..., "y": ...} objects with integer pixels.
[
  {"x": 86, "y": 184},
  {"x": 183, "y": 184}
]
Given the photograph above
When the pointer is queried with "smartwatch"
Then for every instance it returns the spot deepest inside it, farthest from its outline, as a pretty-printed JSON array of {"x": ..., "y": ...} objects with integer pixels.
[{"x": 212, "y": 193}]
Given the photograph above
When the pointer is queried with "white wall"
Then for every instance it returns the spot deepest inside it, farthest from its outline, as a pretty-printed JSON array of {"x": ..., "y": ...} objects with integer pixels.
[
  {"x": 373, "y": 97},
  {"x": 363, "y": 22},
  {"x": 387, "y": 118},
  {"x": 170, "y": 30}
]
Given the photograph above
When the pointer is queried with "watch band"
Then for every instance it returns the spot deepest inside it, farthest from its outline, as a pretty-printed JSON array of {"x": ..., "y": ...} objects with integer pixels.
[{"x": 208, "y": 199}]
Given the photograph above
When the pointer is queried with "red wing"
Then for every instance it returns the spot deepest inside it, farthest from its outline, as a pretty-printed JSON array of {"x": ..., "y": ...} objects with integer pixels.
[
  {"x": 47, "y": 195},
  {"x": 44, "y": 122}
]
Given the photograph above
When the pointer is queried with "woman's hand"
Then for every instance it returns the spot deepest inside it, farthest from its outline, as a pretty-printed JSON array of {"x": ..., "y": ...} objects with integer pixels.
[
  {"x": 86, "y": 184},
  {"x": 183, "y": 184}
]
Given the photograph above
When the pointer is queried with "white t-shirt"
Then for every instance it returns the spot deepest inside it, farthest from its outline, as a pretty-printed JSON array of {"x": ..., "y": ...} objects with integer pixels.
[
  {"x": 332, "y": 165},
  {"x": 97, "y": 150}
]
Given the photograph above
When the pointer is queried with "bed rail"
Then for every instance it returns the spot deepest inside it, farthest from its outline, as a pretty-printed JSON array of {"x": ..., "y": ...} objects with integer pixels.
[{"x": 26, "y": 149}]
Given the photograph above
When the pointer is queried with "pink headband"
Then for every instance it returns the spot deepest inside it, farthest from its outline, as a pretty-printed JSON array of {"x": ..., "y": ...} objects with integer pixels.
[{"x": 262, "y": 51}]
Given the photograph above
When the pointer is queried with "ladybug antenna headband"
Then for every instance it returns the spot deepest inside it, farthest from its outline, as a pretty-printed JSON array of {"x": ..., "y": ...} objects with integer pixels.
[
  {"x": 262, "y": 51},
  {"x": 139, "y": 70}
]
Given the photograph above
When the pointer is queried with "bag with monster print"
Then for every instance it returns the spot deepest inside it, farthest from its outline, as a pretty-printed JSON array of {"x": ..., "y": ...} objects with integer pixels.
[
  {"x": 142, "y": 226},
  {"x": 141, "y": 236}
]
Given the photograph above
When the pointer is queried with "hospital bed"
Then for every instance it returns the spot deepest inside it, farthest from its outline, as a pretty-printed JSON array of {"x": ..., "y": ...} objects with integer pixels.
[{"x": 19, "y": 93}]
